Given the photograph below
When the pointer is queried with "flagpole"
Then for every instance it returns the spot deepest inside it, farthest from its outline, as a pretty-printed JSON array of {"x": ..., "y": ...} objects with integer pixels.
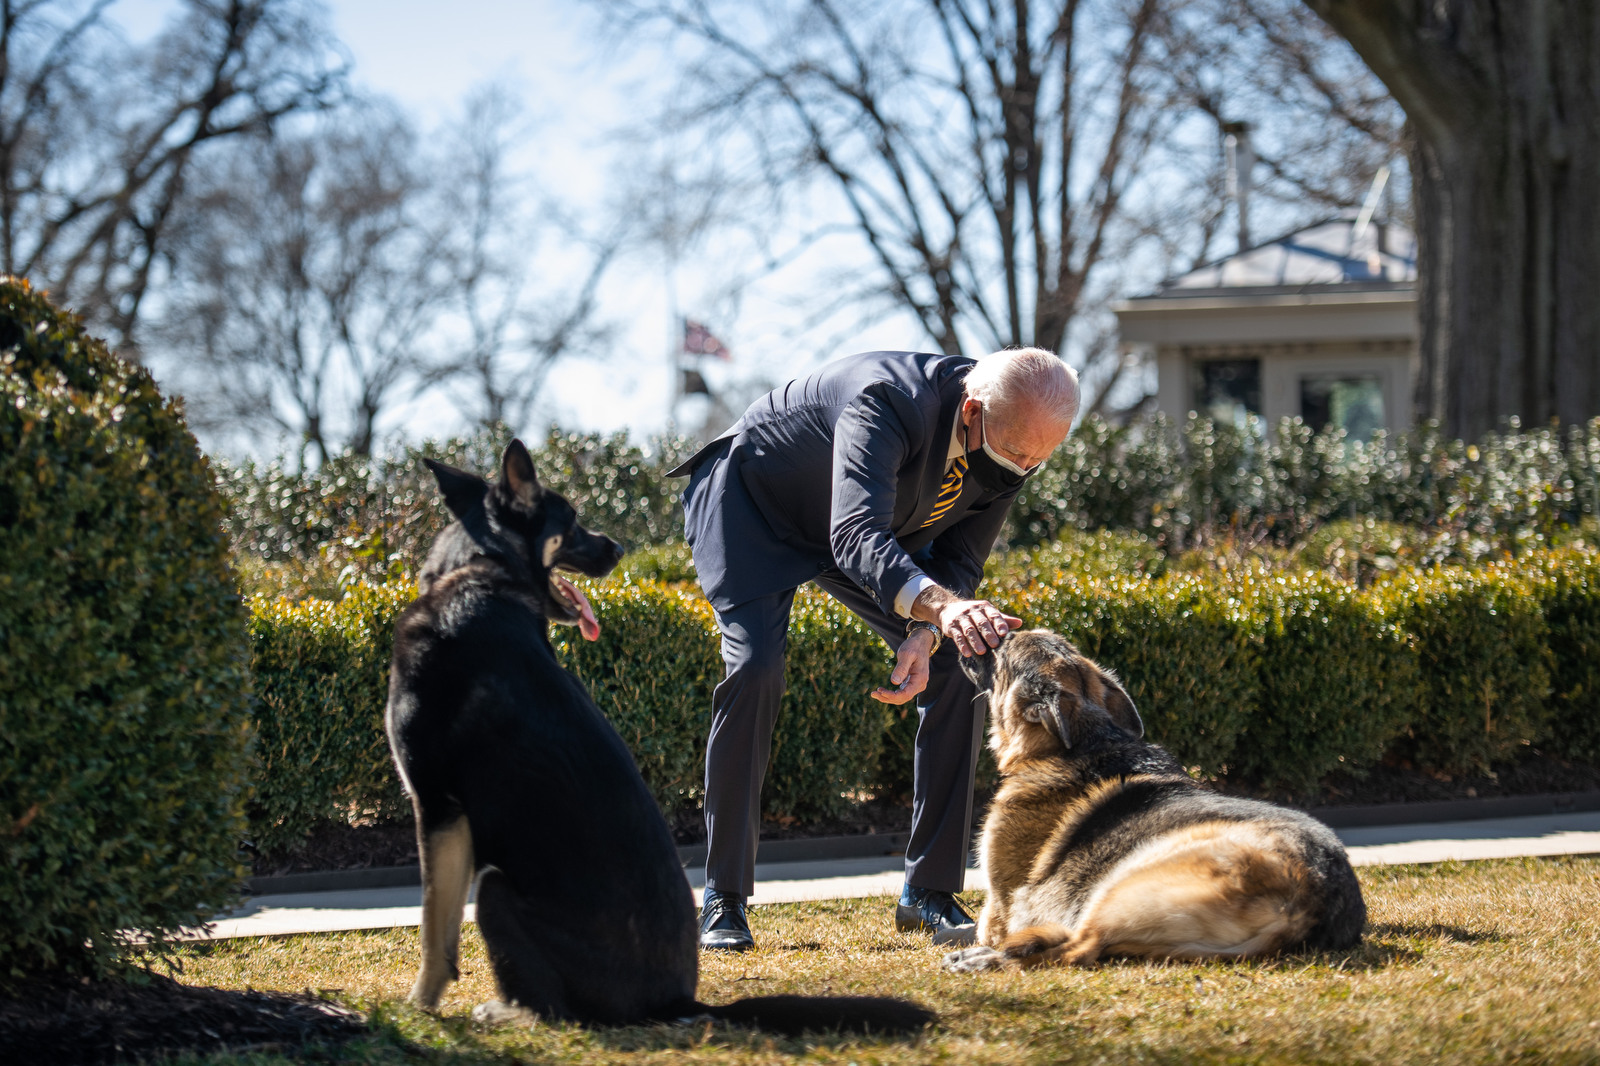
[{"x": 670, "y": 246}]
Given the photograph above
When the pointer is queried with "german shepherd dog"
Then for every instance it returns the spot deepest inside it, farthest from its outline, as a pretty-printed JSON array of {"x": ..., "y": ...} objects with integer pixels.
[
  {"x": 516, "y": 776},
  {"x": 1097, "y": 843}
]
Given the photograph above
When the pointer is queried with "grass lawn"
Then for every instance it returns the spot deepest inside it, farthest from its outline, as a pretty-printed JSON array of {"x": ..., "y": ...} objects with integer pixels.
[{"x": 1462, "y": 962}]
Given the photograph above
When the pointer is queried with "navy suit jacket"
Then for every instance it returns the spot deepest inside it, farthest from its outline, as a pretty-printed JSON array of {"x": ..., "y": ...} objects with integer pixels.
[{"x": 840, "y": 469}]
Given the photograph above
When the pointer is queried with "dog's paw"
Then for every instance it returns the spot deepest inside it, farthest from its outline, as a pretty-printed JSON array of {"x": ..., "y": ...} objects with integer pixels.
[
  {"x": 974, "y": 960},
  {"x": 495, "y": 1014}
]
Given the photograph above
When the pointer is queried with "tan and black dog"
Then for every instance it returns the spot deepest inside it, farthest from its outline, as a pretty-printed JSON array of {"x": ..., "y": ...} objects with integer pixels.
[
  {"x": 1097, "y": 842},
  {"x": 518, "y": 779}
]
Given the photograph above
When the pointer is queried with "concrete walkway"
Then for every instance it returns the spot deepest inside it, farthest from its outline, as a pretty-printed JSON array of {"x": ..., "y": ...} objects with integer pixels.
[{"x": 383, "y": 908}]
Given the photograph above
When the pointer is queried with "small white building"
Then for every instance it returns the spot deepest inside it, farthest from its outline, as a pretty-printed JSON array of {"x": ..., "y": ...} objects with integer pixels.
[{"x": 1320, "y": 323}]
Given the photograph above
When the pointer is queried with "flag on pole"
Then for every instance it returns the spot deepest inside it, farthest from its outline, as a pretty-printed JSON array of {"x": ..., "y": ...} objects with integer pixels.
[
  {"x": 698, "y": 340},
  {"x": 694, "y": 383}
]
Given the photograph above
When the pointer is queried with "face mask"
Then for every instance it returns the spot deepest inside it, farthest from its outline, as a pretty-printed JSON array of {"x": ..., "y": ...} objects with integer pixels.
[{"x": 994, "y": 472}]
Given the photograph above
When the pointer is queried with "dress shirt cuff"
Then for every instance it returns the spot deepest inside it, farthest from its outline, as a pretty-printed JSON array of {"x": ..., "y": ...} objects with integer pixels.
[{"x": 909, "y": 592}]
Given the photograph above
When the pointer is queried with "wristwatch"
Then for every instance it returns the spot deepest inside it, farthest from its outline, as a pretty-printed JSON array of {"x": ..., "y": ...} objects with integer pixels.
[{"x": 932, "y": 627}]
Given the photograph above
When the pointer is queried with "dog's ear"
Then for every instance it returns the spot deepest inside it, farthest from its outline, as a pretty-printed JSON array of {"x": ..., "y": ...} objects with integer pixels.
[
  {"x": 1048, "y": 713},
  {"x": 462, "y": 492},
  {"x": 517, "y": 473},
  {"x": 1117, "y": 704}
]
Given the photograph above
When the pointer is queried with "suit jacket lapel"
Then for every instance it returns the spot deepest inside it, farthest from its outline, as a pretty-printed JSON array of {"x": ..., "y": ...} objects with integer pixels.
[{"x": 911, "y": 535}]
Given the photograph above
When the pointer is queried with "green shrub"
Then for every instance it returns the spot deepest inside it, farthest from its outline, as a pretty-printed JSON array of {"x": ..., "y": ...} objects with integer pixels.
[
  {"x": 1104, "y": 553},
  {"x": 652, "y": 672},
  {"x": 1191, "y": 483},
  {"x": 370, "y": 520},
  {"x": 322, "y": 669},
  {"x": 657, "y": 661},
  {"x": 322, "y": 679},
  {"x": 1273, "y": 677},
  {"x": 1482, "y": 648},
  {"x": 123, "y": 682},
  {"x": 1185, "y": 651},
  {"x": 1339, "y": 680},
  {"x": 1567, "y": 584},
  {"x": 669, "y": 563}
]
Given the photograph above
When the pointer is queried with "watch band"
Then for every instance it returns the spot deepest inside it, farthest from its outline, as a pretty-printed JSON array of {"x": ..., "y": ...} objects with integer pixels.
[{"x": 932, "y": 627}]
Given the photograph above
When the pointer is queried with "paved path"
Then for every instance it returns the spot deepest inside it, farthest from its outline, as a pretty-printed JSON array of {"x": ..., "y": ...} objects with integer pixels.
[{"x": 383, "y": 908}]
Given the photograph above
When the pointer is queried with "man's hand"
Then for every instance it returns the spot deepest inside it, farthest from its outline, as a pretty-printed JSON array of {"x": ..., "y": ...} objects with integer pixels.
[
  {"x": 975, "y": 625},
  {"x": 910, "y": 675}
]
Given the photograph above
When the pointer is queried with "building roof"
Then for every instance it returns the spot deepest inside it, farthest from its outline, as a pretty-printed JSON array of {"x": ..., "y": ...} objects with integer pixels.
[
  {"x": 1318, "y": 284},
  {"x": 1329, "y": 253}
]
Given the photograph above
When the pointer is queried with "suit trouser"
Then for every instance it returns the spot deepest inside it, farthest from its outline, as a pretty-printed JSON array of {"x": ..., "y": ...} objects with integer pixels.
[{"x": 745, "y": 705}]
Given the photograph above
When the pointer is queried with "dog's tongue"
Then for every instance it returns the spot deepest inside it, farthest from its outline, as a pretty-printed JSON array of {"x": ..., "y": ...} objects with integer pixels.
[{"x": 588, "y": 625}]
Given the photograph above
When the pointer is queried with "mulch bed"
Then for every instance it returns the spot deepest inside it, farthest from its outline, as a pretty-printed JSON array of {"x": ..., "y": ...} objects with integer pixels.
[
  {"x": 343, "y": 847},
  {"x": 149, "y": 1017}
]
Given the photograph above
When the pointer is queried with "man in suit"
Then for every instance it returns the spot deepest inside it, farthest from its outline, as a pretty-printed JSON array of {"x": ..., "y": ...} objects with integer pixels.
[{"x": 884, "y": 478}]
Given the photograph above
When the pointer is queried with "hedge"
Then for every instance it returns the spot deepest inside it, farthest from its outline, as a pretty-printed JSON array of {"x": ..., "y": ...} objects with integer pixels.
[
  {"x": 322, "y": 678},
  {"x": 1339, "y": 679},
  {"x": 124, "y": 695},
  {"x": 321, "y": 674},
  {"x": 1568, "y": 587},
  {"x": 1271, "y": 677},
  {"x": 1482, "y": 651},
  {"x": 1180, "y": 484}
]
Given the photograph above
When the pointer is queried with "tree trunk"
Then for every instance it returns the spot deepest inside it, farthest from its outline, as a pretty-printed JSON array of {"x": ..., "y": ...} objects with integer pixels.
[{"x": 1503, "y": 98}]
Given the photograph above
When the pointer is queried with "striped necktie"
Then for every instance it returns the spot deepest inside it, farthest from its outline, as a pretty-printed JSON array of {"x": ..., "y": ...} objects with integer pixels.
[{"x": 949, "y": 489}]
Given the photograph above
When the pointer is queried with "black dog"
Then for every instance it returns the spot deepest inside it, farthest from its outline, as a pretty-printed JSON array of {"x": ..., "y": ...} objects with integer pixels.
[{"x": 514, "y": 772}]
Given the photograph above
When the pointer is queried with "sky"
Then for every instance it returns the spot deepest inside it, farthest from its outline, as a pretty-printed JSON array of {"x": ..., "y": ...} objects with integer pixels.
[{"x": 576, "y": 92}]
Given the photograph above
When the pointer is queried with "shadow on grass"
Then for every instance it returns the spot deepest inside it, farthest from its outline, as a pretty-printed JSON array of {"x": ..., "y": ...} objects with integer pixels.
[
  {"x": 701, "y": 1034},
  {"x": 1435, "y": 931},
  {"x": 416, "y": 1035}
]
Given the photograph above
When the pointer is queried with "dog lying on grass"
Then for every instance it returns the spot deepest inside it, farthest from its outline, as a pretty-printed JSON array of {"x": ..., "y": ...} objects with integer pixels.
[
  {"x": 516, "y": 776},
  {"x": 1097, "y": 843}
]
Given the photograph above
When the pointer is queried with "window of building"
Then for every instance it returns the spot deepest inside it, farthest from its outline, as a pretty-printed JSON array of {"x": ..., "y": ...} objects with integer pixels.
[
  {"x": 1227, "y": 390},
  {"x": 1353, "y": 403}
]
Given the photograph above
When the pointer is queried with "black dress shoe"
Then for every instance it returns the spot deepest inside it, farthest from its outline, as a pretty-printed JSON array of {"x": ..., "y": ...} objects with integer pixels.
[
  {"x": 929, "y": 910},
  {"x": 723, "y": 926}
]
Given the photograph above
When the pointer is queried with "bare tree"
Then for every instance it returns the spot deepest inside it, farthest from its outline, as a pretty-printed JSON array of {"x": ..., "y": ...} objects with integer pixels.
[
  {"x": 987, "y": 155},
  {"x": 1502, "y": 100},
  {"x": 98, "y": 140},
  {"x": 308, "y": 290},
  {"x": 1321, "y": 124},
  {"x": 514, "y": 327}
]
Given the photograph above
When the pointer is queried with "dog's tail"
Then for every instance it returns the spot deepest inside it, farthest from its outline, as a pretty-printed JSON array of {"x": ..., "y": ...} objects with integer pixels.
[{"x": 793, "y": 1015}]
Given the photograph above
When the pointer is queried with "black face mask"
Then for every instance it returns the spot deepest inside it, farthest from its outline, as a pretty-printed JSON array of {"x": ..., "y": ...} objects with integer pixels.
[{"x": 991, "y": 475}]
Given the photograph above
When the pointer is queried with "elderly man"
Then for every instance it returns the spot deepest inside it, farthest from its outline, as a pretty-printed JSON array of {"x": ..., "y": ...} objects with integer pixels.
[{"x": 884, "y": 478}]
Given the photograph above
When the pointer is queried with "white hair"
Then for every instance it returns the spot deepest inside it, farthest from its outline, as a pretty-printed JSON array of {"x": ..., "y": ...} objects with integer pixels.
[{"x": 1025, "y": 379}]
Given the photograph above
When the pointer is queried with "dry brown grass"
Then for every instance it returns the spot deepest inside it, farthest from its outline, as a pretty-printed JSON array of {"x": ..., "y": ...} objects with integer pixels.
[{"x": 1463, "y": 962}]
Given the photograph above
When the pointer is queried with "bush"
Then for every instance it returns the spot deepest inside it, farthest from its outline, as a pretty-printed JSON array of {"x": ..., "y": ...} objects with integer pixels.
[
  {"x": 670, "y": 564},
  {"x": 1339, "y": 680},
  {"x": 364, "y": 520},
  {"x": 1272, "y": 678},
  {"x": 1105, "y": 553},
  {"x": 322, "y": 677},
  {"x": 1567, "y": 585},
  {"x": 1482, "y": 650},
  {"x": 321, "y": 671},
  {"x": 1199, "y": 481},
  {"x": 123, "y": 682}
]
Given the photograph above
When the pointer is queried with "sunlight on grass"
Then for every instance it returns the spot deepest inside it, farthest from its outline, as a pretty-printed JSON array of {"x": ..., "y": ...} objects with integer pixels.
[{"x": 1463, "y": 962}]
